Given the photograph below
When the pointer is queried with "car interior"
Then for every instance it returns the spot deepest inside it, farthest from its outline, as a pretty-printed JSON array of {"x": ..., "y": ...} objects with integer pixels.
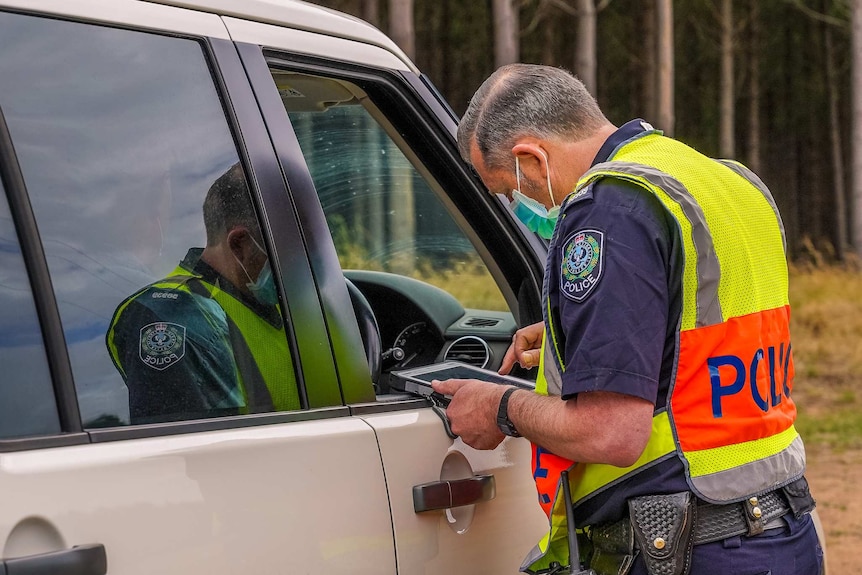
[{"x": 411, "y": 256}]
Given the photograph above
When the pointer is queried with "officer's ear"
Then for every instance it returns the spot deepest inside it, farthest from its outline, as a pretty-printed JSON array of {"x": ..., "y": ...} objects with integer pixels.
[
  {"x": 239, "y": 242},
  {"x": 532, "y": 157}
]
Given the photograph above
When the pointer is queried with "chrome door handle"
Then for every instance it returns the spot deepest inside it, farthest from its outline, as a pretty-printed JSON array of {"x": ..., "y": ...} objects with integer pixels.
[{"x": 453, "y": 493}]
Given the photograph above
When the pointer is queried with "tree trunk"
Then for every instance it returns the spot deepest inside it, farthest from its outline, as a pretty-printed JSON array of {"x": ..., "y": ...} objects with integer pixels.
[
  {"x": 664, "y": 30},
  {"x": 726, "y": 109},
  {"x": 754, "y": 160},
  {"x": 857, "y": 124},
  {"x": 505, "y": 33},
  {"x": 549, "y": 43},
  {"x": 371, "y": 12},
  {"x": 585, "y": 48},
  {"x": 832, "y": 88},
  {"x": 401, "y": 28},
  {"x": 648, "y": 63}
]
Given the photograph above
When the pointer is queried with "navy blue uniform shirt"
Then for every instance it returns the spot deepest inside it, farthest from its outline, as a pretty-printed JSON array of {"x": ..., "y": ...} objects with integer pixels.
[{"x": 618, "y": 322}]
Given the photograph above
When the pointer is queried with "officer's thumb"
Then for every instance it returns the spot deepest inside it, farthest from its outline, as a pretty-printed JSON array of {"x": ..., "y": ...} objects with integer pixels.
[{"x": 529, "y": 358}]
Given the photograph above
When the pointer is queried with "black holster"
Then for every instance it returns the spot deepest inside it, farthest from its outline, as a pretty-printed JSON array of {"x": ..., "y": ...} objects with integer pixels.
[
  {"x": 612, "y": 548},
  {"x": 663, "y": 528}
]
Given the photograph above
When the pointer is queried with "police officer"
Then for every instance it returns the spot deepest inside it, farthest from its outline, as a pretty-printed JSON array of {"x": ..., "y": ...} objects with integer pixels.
[
  {"x": 208, "y": 340},
  {"x": 665, "y": 366}
]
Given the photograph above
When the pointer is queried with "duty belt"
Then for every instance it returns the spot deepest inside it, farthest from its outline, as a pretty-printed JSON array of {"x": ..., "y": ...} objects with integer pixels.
[
  {"x": 664, "y": 528},
  {"x": 749, "y": 517},
  {"x": 717, "y": 522}
]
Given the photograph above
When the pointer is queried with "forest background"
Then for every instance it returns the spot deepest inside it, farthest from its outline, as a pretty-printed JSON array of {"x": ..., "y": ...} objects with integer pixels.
[{"x": 770, "y": 83}]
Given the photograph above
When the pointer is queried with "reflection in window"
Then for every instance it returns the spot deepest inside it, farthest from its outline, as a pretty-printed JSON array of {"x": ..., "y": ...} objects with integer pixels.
[
  {"x": 27, "y": 403},
  {"x": 121, "y": 135},
  {"x": 382, "y": 213}
]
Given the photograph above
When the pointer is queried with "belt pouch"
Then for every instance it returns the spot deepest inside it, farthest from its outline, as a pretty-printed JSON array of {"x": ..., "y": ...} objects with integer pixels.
[
  {"x": 663, "y": 527},
  {"x": 613, "y": 548},
  {"x": 798, "y": 497}
]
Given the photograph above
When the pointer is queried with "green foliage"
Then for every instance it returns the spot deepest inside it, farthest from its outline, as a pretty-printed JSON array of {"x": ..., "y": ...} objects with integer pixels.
[
  {"x": 840, "y": 429},
  {"x": 469, "y": 282},
  {"x": 463, "y": 275}
]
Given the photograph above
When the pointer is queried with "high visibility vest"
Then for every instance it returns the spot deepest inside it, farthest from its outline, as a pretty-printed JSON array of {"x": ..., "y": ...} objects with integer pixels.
[
  {"x": 264, "y": 366},
  {"x": 729, "y": 414}
]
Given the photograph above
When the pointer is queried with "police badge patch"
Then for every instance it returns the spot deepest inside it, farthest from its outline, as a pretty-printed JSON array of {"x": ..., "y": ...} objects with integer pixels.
[
  {"x": 581, "y": 269},
  {"x": 162, "y": 344}
]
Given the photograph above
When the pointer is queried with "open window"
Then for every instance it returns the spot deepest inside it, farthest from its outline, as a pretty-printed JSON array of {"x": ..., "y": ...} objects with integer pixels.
[{"x": 430, "y": 276}]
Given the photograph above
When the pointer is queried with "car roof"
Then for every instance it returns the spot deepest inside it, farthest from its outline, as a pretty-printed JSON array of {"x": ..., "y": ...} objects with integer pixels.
[{"x": 296, "y": 14}]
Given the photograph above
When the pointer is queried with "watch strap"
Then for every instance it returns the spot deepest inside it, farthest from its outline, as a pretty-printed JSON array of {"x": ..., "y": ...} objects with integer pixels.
[{"x": 503, "y": 422}]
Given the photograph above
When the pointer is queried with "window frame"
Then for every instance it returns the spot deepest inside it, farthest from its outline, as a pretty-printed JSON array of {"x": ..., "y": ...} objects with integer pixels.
[
  {"x": 428, "y": 128},
  {"x": 48, "y": 314},
  {"x": 269, "y": 194}
]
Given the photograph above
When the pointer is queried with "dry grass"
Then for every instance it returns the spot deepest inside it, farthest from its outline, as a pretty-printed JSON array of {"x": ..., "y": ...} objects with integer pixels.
[{"x": 826, "y": 327}]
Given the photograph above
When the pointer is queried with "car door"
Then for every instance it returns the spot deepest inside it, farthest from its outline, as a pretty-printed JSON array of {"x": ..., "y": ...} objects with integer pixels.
[
  {"x": 384, "y": 200},
  {"x": 116, "y": 124}
]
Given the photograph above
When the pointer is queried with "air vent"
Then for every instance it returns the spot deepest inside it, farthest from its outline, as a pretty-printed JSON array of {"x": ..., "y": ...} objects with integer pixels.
[
  {"x": 481, "y": 322},
  {"x": 469, "y": 349}
]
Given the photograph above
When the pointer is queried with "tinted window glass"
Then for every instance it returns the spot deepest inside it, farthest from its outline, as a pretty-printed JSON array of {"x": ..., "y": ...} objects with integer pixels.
[
  {"x": 27, "y": 404},
  {"x": 122, "y": 137}
]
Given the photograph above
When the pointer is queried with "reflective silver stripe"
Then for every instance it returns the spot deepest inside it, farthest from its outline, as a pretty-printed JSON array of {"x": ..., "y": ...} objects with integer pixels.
[
  {"x": 534, "y": 555},
  {"x": 741, "y": 481},
  {"x": 552, "y": 374},
  {"x": 758, "y": 183},
  {"x": 707, "y": 266}
]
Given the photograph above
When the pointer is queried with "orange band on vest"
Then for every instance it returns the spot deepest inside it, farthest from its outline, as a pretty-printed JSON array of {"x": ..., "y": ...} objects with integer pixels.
[
  {"x": 731, "y": 374},
  {"x": 547, "y": 468}
]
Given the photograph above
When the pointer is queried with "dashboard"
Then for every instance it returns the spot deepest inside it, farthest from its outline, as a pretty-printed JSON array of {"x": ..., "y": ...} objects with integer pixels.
[{"x": 420, "y": 323}]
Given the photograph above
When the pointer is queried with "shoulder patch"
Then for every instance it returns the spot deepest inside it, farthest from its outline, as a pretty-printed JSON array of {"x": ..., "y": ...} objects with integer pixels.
[
  {"x": 162, "y": 344},
  {"x": 582, "y": 263}
]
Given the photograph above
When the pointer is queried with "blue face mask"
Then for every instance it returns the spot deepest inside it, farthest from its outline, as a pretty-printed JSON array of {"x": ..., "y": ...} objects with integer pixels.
[
  {"x": 263, "y": 288},
  {"x": 533, "y": 214}
]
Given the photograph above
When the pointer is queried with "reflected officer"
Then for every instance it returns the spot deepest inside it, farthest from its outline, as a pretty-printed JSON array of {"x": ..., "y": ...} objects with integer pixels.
[{"x": 208, "y": 340}]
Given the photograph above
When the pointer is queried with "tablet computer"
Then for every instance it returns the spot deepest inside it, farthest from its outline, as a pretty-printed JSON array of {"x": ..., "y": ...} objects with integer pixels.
[{"x": 418, "y": 379}]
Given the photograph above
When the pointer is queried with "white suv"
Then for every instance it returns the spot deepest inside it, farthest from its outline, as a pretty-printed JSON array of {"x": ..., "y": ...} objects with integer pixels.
[{"x": 117, "y": 117}]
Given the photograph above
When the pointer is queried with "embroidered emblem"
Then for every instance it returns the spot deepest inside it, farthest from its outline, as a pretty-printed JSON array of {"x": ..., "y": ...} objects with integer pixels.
[
  {"x": 162, "y": 344},
  {"x": 581, "y": 270}
]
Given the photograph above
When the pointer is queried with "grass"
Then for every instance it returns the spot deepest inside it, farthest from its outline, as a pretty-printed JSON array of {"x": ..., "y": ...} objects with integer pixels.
[{"x": 826, "y": 327}]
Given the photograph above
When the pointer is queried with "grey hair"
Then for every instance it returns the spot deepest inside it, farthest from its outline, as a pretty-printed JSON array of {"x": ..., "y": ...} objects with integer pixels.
[{"x": 526, "y": 100}]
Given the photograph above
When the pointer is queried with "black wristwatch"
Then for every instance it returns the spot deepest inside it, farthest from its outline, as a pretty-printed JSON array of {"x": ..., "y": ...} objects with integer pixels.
[{"x": 503, "y": 422}]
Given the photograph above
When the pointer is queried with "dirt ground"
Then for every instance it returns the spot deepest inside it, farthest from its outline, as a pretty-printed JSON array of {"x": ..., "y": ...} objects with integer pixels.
[{"x": 836, "y": 483}]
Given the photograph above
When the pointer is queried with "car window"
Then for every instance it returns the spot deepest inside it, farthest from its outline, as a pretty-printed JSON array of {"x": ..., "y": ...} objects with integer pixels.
[
  {"x": 429, "y": 279},
  {"x": 161, "y": 273},
  {"x": 383, "y": 213},
  {"x": 27, "y": 403}
]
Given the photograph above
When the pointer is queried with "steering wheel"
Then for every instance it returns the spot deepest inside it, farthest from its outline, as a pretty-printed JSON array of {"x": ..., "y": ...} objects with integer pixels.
[{"x": 369, "y": 330}]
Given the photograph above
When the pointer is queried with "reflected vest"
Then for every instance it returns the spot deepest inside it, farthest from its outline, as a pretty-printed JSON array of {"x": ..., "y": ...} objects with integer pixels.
[
  {"x": 729, "y": 414},
  {"x": 261, "y": 353}
]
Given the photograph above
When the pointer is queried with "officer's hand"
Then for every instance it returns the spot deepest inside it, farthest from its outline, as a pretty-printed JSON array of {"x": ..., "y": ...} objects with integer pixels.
[
  {"x": 473, "y": 410},
  {"x": 525, "y": 348}
]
